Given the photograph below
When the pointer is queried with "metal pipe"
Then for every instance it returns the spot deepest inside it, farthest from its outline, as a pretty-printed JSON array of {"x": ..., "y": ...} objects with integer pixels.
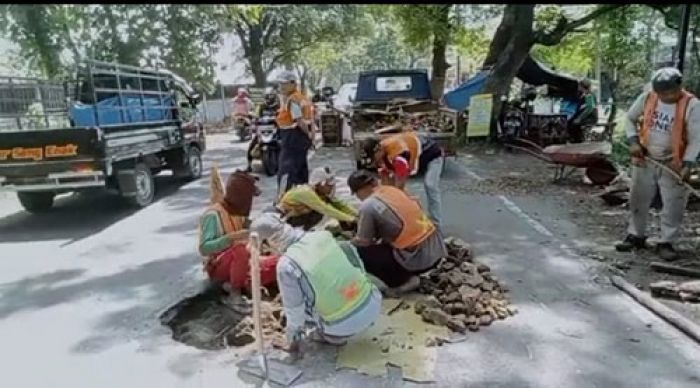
[{"x": 683, "y": 36}]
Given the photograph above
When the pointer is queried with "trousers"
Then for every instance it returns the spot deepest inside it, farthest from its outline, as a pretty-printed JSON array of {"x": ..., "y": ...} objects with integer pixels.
[
  {"x": 431, "y": 183},
  {"x": 233, "y": 267},
  {"x": 674, "y": 196}
]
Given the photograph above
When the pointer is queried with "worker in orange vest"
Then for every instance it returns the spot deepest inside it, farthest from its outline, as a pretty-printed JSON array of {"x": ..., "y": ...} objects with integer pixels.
[
  {"x": 296, "y": 133},
  {"x": 395, "y": 239},
  {"x": 663, "y": 125},
  {"x": 407, "y": 153}
]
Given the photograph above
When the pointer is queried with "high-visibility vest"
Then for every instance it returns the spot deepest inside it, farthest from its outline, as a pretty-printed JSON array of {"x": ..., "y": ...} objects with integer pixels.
[
  {"x": 339, "y": 287},
  {"x": 416, "y": 226},
  {"x": 395, "y": 145},
  {"x": 679, "y": 133},
  {"x": 229, "y": 224},
  {"x": 284, "y": 115}
]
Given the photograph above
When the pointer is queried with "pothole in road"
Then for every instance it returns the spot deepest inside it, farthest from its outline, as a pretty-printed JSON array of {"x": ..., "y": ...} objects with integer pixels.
[{"x": 207, "y": 321}]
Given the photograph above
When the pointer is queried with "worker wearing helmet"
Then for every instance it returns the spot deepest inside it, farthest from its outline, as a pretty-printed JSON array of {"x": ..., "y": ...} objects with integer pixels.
[
  {"x": 663, "y": 125},
  {"x": 296, "y": 132},
  {"x": 268, "y": 108}
]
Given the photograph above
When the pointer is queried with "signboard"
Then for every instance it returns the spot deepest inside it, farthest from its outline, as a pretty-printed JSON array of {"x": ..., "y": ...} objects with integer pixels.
[
  {"x": 39, "y": 153},
  {"x": 480, "y": 108}
]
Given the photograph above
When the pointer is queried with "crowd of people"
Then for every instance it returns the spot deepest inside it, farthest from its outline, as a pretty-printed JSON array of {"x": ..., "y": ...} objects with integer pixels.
[{"x": 336, "y": 285}]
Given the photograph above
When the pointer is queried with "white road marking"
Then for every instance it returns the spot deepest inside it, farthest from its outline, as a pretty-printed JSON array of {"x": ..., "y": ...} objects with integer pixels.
[{"x": 515, "y": 209}]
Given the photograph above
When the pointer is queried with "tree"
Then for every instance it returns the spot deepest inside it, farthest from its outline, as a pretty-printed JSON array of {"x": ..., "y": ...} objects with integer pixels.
[
  {"x": 430, "y": 26},
  {"x": 277, "y": 35},
  {"x": 518, "y": 32}
]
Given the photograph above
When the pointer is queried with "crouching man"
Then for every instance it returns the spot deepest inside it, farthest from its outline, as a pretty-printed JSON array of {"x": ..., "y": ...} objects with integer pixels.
[
  {"x": 321, "y": 281},
  {"x": 306, "y": 205},
  {"x": 223, "y": 233},
  {"x": 395, "y": 238}
]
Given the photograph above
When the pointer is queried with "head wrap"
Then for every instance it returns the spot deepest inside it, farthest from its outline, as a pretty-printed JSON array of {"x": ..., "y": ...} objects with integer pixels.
[
  {"x": 279, "y": 234},
  {"x": 321, "y": 175},
  {"x": 240, "y": 190}
]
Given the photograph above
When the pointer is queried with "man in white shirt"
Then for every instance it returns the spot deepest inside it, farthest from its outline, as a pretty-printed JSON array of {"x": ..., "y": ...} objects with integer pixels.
[{"x": 664, "y": 125}]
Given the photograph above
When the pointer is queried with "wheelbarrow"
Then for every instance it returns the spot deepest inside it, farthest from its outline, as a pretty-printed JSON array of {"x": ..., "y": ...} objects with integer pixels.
[{"x": 568, "y": 158}]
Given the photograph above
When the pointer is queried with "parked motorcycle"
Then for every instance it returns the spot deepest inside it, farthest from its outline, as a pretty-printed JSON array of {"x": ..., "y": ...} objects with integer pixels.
[
  {"x": 241, "y": 125},
  {"x": 268, "y": 144}
]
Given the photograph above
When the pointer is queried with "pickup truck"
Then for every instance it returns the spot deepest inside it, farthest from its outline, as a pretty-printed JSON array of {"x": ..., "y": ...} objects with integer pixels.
[
  {"x": 113, "y": 127},
  {"x": 387, "y": 100}
]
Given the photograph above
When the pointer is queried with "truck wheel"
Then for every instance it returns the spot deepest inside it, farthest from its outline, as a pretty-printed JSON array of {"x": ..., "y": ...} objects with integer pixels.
[
  {"x": 38, "y": 202},
  {"x": 145, "y": 186},
  {"x": 193, "y": 169}
]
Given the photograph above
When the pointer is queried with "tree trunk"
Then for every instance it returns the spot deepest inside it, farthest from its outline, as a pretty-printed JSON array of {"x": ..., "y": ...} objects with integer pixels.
[
  {"x": 508, "y": 50},
  {"x": 437, "y": 81}
]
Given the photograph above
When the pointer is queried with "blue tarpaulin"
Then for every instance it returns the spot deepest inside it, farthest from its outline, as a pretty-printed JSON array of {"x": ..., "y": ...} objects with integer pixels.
[
  {"x": 568, "y": 108},
  {"x": 109, "y": 111},
  {"x": 459, "y": 98}
]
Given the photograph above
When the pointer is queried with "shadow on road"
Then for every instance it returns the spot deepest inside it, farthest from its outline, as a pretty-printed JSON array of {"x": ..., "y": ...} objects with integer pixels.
[{"x": 76, "y": 216}]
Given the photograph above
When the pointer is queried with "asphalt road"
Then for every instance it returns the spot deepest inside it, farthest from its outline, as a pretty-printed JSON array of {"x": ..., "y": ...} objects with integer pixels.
[{"x": 81, "y": 289}]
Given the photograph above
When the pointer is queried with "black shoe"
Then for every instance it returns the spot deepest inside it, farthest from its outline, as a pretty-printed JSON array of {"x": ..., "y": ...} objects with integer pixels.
[
  {"x": 631, "y": 242},
  {"x": 666, "y": 252},
  {"x": 249, "y": 169}
]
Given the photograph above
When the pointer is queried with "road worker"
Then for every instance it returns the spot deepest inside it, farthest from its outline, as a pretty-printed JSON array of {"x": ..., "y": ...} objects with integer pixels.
[{"x": 663, "y": 125}]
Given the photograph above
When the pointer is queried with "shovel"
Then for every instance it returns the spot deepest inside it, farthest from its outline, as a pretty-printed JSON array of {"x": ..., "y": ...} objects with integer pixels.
[{"x": 273, "y": 370}]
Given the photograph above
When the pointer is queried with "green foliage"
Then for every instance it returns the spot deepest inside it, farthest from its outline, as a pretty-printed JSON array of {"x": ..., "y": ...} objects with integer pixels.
[
  {"x": 574, "y": 55},
  {"x": 473, "y": 44}
]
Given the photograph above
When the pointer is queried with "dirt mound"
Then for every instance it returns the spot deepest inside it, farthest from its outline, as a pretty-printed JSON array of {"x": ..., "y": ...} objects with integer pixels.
[{"x": 461, "y": 293}]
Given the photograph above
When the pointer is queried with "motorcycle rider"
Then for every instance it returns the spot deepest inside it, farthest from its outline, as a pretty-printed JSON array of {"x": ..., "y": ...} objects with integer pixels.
[
  {"x": 243, "y": 106},
  {"x": 268, "y": 108}
]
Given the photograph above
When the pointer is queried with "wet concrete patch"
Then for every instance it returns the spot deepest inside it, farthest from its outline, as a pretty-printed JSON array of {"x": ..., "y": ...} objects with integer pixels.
[{"x": 206, "y": 321}]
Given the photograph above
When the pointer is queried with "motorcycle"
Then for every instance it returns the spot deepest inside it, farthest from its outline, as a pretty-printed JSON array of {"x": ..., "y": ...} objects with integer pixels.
[
  {"x": 268, "y": 148},
  {"x": 241, "y": 126}
]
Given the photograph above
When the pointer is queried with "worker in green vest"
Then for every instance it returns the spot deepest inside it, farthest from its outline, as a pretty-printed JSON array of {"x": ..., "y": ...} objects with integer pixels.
[{"x": 321, "y": 281}]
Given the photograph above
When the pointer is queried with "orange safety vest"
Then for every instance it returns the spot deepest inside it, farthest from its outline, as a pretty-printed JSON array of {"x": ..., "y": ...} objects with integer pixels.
[
  {"x": 284, "y": 115},
  {"x": 417, "y": 227},
  {"x": 229, "y": 224},
  {"x": 679, "y": 133},
  {"x": 395, "y": 145}
]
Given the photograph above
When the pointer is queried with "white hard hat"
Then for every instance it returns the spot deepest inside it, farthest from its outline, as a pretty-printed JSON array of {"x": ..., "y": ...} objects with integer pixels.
[
  {"x": 321, "y": 175},
  {"x": 287, "y": 76}
]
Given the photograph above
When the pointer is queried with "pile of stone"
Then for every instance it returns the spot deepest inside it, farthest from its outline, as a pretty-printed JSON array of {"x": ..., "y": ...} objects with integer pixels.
[
  {"x": 685, "y": 291},
  {"x": 462, "y": 293}
]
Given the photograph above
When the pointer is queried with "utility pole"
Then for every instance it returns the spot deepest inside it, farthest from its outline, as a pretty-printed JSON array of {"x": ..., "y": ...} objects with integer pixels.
[
  {"x": 683, "y": 36},
  {"x": 598, "y": 65}
]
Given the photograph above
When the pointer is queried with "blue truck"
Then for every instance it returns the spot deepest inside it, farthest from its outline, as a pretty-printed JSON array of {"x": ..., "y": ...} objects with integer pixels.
[{"x": 113, "y": 127}]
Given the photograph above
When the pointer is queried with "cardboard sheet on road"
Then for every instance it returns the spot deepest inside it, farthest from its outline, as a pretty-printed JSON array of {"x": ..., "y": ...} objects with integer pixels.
[{"x": 405, "y": 334}]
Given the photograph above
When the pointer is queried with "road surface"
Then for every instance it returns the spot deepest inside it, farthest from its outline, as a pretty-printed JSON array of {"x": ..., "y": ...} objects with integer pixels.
[{"x": 81, "y": 290}]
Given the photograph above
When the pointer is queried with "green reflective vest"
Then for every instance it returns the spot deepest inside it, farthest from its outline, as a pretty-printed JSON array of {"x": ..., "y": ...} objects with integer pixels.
[{"x": 339, "y": 286}]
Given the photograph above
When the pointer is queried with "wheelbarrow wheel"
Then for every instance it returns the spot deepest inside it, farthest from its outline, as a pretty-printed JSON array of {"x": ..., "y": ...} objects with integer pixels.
[{"x": 602, "y": 173}]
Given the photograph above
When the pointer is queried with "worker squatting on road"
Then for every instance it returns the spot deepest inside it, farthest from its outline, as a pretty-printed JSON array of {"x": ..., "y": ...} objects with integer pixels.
[
  {"x": 395, "y": 239},
  {"x": 664, "y": 125},
  {"x": 403, "y": 154},
  {"x": 306, "y": 205},
  {"x": 321, "y": 281},
  {"x": 223, "y": 233},
  {"x": 296, "y": 132}
]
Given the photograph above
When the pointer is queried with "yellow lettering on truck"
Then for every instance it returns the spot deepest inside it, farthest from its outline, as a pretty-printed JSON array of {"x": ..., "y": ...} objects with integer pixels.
[
  {"x": 54, "y": 151},
  {"x": 27, "y": 153}
]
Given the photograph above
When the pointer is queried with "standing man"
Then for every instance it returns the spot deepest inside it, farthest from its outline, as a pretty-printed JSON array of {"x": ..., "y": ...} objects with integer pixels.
[
  {"x": 296, "y": 131},
  {"x": 404, "y": 154},
  {"x": 663, "y": 125},
  {"x": 587, "y": 112}
]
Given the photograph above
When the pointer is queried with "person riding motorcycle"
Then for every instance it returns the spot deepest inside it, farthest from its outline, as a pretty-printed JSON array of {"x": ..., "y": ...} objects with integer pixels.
[
  {"x": 268, "y": 108},
  {"x": 242, "y": 106}
]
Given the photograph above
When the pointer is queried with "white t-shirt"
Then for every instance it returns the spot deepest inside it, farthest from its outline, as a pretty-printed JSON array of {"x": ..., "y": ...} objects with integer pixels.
[{"x": 659, "y": 146}]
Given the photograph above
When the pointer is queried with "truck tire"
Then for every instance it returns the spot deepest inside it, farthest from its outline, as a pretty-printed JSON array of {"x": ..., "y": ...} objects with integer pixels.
[
  {"x": 145, "y": 186},
  {"x": 37, "y": 202},
  {"x": 192, "y": 169}
]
